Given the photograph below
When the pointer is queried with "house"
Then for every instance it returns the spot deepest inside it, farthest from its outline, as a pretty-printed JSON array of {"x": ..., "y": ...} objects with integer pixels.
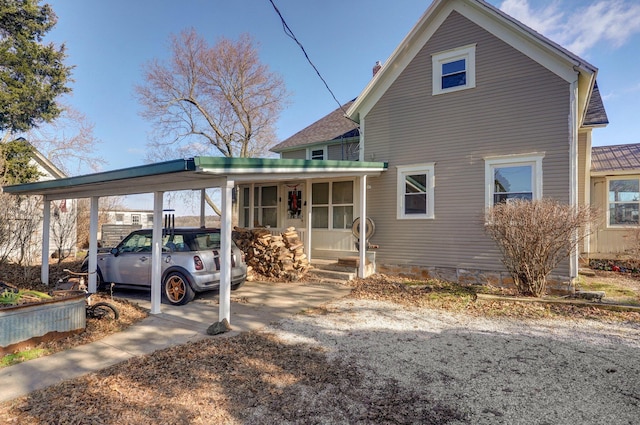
[
  {"x": 615, "y": 189},
  {"x": 25, "y": 222},
  {"x": 472, "y": 108}
]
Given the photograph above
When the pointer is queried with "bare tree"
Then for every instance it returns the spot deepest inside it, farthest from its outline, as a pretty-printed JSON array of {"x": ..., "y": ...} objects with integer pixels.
[
  {"x": 68, "y": 142},
  {"x": 64, "y": 220},
  {"x": 535, "y": 237},
  {"x": 218, "y": 99}
]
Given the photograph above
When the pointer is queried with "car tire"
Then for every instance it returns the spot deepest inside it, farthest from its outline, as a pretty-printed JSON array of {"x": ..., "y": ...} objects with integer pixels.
[
  {"x": 176, "y": 289},
  {"x": 237, "y": 285}
]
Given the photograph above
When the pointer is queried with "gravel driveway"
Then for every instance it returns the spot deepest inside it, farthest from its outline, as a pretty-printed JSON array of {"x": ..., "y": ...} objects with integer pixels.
[{"x": 464, "y": 369}]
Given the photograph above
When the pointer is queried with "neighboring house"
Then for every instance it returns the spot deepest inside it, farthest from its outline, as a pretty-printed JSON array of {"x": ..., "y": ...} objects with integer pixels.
[
  {"x": 472, "y": 108},
  {"x": 119, "y": 223},
  {"x": 142, "y": 218},
  {"x": 615, "y": 190},
  {"x": 26, "y": 241}
]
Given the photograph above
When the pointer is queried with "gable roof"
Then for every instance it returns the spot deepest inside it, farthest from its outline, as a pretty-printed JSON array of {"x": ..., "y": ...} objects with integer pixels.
[
  {"x": 334, "y": 126},
  {"x": 615, "y": 159},
  {"x": 539, "y": 48},
  {"x": 596, "y": 116},
  {"x": 47, "y": 165}
]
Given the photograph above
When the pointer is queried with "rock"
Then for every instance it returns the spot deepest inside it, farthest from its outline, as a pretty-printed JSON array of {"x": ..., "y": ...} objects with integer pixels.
[
  {"x": 590, "y": 295},
  {"x": 219, "y": 327}
]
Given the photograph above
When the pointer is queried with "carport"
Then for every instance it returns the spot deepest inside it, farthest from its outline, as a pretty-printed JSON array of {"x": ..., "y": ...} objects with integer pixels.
[{"x": 197, "y": 173}]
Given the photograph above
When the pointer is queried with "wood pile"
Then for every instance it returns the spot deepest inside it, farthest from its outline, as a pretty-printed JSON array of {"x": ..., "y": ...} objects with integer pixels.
[{"x": 272, "y": 256}]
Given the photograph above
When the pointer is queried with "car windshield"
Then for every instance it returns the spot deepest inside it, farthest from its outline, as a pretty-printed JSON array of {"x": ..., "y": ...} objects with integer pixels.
[
  {"x": 207, "y": 240},
  {"x": 136, "y": 243}
]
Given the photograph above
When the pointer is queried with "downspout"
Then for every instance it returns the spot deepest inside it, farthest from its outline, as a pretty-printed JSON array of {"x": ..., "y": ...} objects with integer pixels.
[{"x": 573, "y": 169}]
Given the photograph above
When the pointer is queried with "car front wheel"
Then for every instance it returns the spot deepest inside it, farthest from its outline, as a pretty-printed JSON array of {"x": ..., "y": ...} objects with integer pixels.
[{"x": 177, "y": 289}]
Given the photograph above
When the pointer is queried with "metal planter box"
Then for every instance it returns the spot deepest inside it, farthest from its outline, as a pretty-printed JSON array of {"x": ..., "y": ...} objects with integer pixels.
[{"x": 29, "y": 324}]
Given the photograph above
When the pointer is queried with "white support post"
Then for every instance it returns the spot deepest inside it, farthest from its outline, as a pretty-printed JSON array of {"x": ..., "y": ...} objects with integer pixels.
[
  {"x": 202, "y": 202},
  {"x": 156, "y": 254},
  {"x": 363, "y": 226},
  {"x": 46, "y": 228},
  {"x": 225, "y": 253},
  {"x": 93, "y": 245},
  {"x": 307, "y": 240},
  {"x": 252, "y": 206}
]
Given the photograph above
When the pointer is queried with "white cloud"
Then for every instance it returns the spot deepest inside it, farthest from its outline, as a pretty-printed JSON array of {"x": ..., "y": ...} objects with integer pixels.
[{"x": 580, "y": 28}]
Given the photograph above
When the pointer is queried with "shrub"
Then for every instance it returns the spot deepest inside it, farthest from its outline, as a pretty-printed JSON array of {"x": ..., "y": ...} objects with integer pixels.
[{"x": 535, "y": 236}]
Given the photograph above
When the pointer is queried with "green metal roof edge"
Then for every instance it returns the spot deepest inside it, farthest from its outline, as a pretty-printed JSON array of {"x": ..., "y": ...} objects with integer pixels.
[
  {"x": 192, "y": 164},
  {"x": 236, "y": 164},
  {"x": 173, "y": 166}
]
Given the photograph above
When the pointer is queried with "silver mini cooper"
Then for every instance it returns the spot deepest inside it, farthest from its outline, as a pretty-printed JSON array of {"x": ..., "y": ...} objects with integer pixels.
[{"x": 190, "y": 263}]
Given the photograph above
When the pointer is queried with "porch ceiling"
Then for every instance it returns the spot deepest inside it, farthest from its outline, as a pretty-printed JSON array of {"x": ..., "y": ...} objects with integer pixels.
[{"x": 192, "y": 174}]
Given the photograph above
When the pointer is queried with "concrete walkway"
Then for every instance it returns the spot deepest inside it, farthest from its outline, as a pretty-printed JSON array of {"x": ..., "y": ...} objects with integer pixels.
[{"x": 253, "y": 306}]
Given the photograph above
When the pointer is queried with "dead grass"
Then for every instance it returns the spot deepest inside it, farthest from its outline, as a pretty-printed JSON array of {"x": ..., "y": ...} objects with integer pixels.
[{"x": 254, "y": 378}]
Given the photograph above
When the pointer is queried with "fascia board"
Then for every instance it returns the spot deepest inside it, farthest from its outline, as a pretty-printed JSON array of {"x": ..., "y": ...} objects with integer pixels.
[
  {"x": 507, "y": 30},
  {"x": 614, "y": 173}
]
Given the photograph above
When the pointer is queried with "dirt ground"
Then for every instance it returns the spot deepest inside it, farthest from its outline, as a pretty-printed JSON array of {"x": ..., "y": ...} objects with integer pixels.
[{"x": 387, "y": 354}]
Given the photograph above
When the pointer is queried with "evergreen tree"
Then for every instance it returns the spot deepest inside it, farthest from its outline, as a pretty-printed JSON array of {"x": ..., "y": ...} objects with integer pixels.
[
  {"x": 32, "y": 74},
  {"x": 15, "y": 166}
]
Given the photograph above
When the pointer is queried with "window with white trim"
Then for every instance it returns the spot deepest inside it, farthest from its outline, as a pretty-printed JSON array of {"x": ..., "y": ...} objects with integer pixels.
[
  {"x": 135, "y": 219},
  {"x": 332, "y": 205},
  {"x": 454, "y": 70},
  {"x": 624, "y": 202},
  {"x": 513, "y": 177},
  {"x": 415, "y": 187},
  {"x": 265, "y": 200},
  {"x": 317, "y": 154}
]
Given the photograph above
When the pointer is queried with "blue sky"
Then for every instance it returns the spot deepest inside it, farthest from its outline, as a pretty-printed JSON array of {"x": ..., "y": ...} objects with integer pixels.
[{"x": 109, "y": 41}]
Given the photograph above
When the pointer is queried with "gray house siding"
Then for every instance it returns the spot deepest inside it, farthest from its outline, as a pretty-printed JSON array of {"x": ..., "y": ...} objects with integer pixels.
[
  {"x": 517, "y": 107},
  {"x": 343, "y": 152},
  {"x": 297, "y": 154}
]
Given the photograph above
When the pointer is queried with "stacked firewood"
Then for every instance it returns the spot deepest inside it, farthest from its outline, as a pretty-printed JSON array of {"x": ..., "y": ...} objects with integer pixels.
[{"x": 272, "y": 256}]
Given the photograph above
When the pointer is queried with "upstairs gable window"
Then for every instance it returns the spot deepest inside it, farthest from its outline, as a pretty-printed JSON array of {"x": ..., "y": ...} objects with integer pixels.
[
  {"x": 317, "y": 154},
  {"x": 454, "y": 70}
]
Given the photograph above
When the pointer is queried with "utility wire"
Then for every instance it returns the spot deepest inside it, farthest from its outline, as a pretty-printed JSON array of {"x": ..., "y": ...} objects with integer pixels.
[{"x": 291, "y": 35}]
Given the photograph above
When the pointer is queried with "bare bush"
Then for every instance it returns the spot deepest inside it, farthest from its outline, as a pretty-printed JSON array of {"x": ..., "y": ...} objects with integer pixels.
[{"x": 534, "y": 237}]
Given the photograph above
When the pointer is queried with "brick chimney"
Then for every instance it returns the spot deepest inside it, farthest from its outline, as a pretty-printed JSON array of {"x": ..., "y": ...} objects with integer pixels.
[{"x": 376, "y": 68}]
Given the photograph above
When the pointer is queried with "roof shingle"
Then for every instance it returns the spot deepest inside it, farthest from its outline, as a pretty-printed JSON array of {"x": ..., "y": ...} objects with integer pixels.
[
  {"x": 596, "y": 114},
  {"x": 331, "y": 127}
]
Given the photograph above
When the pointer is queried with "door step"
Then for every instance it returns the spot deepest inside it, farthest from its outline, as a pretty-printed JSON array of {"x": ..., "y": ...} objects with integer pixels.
[{"x": 342, "y": 270}]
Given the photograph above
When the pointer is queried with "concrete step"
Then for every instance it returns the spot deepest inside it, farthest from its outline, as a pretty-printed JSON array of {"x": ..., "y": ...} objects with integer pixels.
[
  {"x": 322, "y": 273},
  {"x": 334, "y": 266}
]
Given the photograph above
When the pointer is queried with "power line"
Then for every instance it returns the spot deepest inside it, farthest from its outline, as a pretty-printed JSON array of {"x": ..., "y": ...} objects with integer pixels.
[{"x": 291, "y": 35}]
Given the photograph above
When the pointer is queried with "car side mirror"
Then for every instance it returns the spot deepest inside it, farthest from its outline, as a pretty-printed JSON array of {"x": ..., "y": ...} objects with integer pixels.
[{"x": 114, "y": 251}]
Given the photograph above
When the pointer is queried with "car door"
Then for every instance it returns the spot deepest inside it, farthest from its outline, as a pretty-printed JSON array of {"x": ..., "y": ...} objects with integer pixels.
[{"x": 132, "y": 263}]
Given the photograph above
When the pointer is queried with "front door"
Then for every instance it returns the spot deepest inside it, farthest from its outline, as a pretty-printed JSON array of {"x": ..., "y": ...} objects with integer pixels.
[{"x": 295, "y": 205}]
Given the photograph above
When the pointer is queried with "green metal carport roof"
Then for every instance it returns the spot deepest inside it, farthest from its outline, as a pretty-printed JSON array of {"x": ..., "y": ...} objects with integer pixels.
[{"x": 193, "y": 173}]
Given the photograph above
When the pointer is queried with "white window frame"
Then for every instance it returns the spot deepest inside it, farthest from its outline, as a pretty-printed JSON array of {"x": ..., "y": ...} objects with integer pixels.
[
  {"x": 532, "y": 159},
  {"x": 608, "y": 213},
  {"x": 468, "y": 53},
  {"x": 310, "y": 153},
  {"x": 259, "y": 208},
  {"x": 330, "y": 206},
  {"x": 404, "y": 170}
]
